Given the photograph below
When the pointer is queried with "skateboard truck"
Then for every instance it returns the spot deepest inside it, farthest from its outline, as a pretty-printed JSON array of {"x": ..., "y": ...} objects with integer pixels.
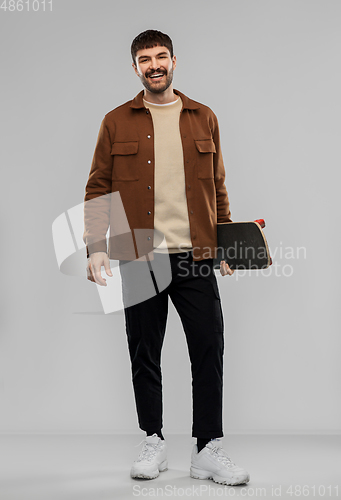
[{"x": 261, "y": 222}]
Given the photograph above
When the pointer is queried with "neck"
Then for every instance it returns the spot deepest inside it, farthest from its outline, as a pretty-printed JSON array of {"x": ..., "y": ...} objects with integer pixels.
[{"x": 162, "y": 98}]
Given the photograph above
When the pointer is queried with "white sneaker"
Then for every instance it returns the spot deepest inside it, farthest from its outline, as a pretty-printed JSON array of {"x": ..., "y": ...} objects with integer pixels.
[
  {"x": 152, "y": 458},
  {"x": 212, "y": 462}
]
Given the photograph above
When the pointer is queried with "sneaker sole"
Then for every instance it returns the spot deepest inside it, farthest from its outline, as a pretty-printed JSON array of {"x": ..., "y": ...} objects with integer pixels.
[
  {"x": 151, "y": 475},
  {"x": 201, "y": 474}
]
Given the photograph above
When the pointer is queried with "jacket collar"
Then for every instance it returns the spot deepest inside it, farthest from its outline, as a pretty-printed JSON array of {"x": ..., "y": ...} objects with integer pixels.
[{"x": 137, "y": 102}]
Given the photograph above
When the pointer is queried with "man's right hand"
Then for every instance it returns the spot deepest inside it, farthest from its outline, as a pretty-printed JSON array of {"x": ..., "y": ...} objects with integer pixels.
[{"x": 95, "y": 262}]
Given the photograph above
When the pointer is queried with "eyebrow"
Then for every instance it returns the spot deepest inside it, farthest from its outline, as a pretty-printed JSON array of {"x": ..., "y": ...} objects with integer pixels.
[{"x": 147, "y": 57}]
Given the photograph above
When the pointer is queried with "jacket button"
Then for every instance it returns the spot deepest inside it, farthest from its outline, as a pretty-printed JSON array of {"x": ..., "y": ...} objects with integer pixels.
[
  {"x": 147, "y": 112},
  {"x": 148, "y": 238},
  {"x": 149, "y": 161},
  {"x": 189, "y": 186},
  {"x": 148, "y": 136},
  {"x": 191, "y": 211},
  {"x": 149, "y": 212},
  {"x": 149, "y": 187}
]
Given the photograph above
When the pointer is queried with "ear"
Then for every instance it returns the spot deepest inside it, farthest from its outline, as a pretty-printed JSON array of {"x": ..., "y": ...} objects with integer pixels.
[
  {"x": 135, "y": 69},
  {"x": 174, "y": 62}
]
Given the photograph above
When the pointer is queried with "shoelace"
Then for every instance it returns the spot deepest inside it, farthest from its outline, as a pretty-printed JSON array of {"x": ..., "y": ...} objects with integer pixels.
[
  {"x": 222, "y": 456},
  {"x": 220, "y": 453},
  {"x": 148, "y": 451}
]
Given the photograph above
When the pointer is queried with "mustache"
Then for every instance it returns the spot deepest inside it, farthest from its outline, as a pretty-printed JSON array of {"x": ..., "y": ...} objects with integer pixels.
[{"x": 156, "y": 73}]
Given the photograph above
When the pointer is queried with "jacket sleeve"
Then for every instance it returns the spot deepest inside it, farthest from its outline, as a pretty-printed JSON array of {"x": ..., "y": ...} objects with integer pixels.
[
  {"x": 223, "y": 204},
  {"x": 97, "y": 194}
]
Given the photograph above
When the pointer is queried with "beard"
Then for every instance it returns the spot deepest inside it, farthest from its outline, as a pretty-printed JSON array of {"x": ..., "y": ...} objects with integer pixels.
[{"x": 158, "y": 88}]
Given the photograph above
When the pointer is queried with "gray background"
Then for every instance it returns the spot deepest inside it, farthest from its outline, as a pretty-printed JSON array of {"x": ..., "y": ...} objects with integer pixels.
[{"x": 270, "y": 70}]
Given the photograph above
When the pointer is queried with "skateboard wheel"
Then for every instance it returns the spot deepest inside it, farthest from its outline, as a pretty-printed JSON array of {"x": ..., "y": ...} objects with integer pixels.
[{"x": 261, "y": 222}]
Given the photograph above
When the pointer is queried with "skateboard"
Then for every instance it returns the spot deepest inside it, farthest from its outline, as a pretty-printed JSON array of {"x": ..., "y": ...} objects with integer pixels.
[{"x": 242, "y": 245}]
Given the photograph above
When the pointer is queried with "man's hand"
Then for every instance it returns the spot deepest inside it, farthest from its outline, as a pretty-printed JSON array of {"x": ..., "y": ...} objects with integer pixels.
[
  {"x": 225, "y": 269},
  {"x": 95, "y": 262}
]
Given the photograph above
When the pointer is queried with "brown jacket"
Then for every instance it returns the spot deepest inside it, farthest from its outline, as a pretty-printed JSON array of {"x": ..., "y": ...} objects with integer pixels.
[{"x": 123, "y": 162}]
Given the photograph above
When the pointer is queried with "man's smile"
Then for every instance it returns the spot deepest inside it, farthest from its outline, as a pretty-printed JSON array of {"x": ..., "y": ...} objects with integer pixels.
[{"x": 156, "y": 77}]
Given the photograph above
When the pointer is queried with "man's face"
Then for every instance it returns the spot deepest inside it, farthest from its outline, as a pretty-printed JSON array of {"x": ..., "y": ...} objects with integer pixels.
[{"x": 155, "y": 68}]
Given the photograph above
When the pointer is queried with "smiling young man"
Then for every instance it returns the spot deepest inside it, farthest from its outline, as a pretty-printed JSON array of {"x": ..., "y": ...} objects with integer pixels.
[
  {"x": 162, "y": 152},
  {"x": 155, "y": 66}
]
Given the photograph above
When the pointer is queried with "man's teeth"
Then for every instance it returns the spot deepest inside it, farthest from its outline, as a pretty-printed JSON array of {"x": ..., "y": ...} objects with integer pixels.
[{"x": 156, "y": 76}]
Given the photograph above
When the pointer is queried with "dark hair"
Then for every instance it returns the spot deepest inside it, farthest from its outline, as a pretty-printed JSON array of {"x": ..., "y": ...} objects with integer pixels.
[{"x": 148, "y": 39}]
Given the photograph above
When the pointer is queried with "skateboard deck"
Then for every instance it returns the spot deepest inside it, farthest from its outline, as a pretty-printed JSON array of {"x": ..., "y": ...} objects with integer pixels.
[{"x": 242, "y": 245}]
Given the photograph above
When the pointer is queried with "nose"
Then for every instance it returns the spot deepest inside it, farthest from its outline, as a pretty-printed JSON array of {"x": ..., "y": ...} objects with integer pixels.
[{"x": 154, "y": 64}]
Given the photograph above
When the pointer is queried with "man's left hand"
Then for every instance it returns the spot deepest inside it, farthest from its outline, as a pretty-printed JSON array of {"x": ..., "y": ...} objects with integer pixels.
[{"x": 225, "y": 269}]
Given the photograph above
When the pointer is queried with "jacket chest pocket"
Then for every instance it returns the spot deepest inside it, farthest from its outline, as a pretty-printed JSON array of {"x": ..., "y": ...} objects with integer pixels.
[
  {"x": 205, "y": 149},
  {"x": 125, "y": 162}
]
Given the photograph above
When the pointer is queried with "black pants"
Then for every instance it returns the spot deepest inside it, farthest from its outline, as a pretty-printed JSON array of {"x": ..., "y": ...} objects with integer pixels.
[{"x": 194, "y": 292}]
